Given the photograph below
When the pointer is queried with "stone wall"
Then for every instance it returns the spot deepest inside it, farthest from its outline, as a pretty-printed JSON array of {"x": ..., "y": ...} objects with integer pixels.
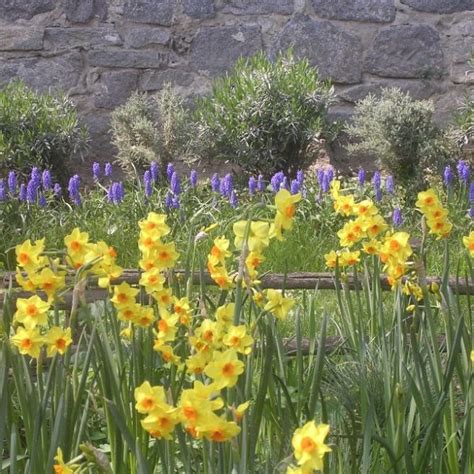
[{"x": 99, "y": 51}]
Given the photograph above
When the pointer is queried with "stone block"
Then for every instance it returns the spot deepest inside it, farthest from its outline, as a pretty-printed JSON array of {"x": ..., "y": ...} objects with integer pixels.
[
  {"x": 15, "y": 38},
  {"x": 336, "y": 53},
  {"x": 461, "y": 74},
  {"x": 155, "y": 80},
  {"x": 216, "y": 49},
  {"x": 16, "y": 9},
  {"x": 379, "y": 11},
  {"x": 406, "y": 51},
  {"x": 114, "y": 88},
  {"x": 82, "y": 37},
  {"x": 58, "y": 73},
  {"x": 129, "y": 58},
  {"x": 440, "y": 6},
  {"x": 418, "y": 89},
  {"x": 82, "y": 11},
  {"x": 259, "y": 7},
  {"x": 199, "y": 8},
  {"x": 159, "y": 12},
  {"x": 145, "y": 37}
]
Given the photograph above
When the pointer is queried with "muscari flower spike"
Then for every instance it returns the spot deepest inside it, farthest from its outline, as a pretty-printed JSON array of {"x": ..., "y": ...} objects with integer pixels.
[
  {"x": 46, "y": 179},
  {"x": 169, "y": 171},
  {"x": 463, "y": 171},
  {"x": 175, "y": 184},
  {"x": 3, "y": 191},
  {"x": 12, "y": 182},
  {"x": 22, "y": 192},
  {"x": 108, "y": 169},
  {"x": 361, "y": 177},
  {"x": 148, "y": 183},
  {"x": 215, "y": 183},
  {"x": 154, "y": 170},
  {"x": 390, "y": 184},
  {"x": 96, "y": 171},
  {"x": 233, "y": 199},
  {"x": 73, "y": 189},
  {"x": 397, "y": 217},
  {"x": 448, "y": 176},
  {"x": 252, "y": 185},
  {"x": 260, "y": 184}
]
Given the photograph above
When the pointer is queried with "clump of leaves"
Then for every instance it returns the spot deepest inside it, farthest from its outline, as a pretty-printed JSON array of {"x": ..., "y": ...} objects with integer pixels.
[
  {"x": 150, "y": 128},
  {"x": 400, "y": 133},
  {"x": 38, "y": 130},
  {"x": 266, "y": 116}
]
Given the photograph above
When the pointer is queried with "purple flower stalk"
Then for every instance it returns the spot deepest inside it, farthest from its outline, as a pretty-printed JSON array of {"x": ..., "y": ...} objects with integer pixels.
[
  {"x": 169, "y": 171},
  {"x": 148, "y": 183},
  {"x": 96, "y": 171},
  {"x": 377, "y": 182},
  {"x": 47, "y": 180},
  {"x": 252, "y": 185},
  {"x": 154, "y": 170},
  {"x": 325, "y": 183},
  {"x": 3, "y": 191},
  {"x": 175, "y": 184},
  {"x": 448, "y": 176},
  {"x": 260, "y": 184},
  {"x": 397, "y": 217},
  {"x": 226, "y": 186},
  {"x": 276, "y": 181},
  {"x": 73, "y": 189},
  {"x": 175, "y": 202},
  {"x": 233, "y": 199},
  {"x": 12, "y": 182},
  {"x": 361, "y": 177},
  {"x": 57, "y": 190},
  {"x": 300, "y": 177},
  {"x": 193, "y": 178},
  {"x": 295, "y": 186},
  {"x": 31, "y": 190},
  {"x": 390, "y": 185},
  {"x": 115, "y": 193},
  {"x": 463, "y": 171},
  {"x": 284, "y": 184},
  {"x": 330, "y": 175},
  {"x": 215, "y": 183},
  {"x": 42, "y": 200},
  {"x": 22, "y": 193},
  {"x": 471, "y": 192},
  {"x": 108, "y": 169},
  {"x": 36, "y": 176}
]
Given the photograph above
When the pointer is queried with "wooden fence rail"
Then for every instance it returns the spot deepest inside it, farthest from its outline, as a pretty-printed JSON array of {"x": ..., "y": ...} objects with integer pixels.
[{"x": 290, "y": 281}]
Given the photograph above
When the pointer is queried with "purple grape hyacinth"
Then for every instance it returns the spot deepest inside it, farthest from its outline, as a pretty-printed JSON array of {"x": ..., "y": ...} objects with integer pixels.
[
  {"x": 148, "y": 183},
  {"x": 36, "y": 176},
  {"x": 215, "y": 183},
  {"x": 96, "y": 171},
  {"x": 22, "y": 192},
  {"x": 57, "y": 190},
  {"x": 448, "y": 176},
  {"x": 108, "y": 170},
  {"x": 154, "y": 170},
  {"x": 169, "y": 171},
  {"x": 3, "y": 190},
  {"x": 260, "y": 184},
  {"x": 42, "y": 200},
  {"x": 390, "y": 184},
  {"x": 377, "y": 182},
  {"x": 47, "y": 180},
  {"x": 463, "y": 171},
  {"x": 226, "y": 186},
  {"x": 361, "y": 177},
  {"x": 295, "y": 186},
  {"x": 31, "y": 190},
  {"x": 12, "y": 182},
  {"x": 73, "y": 189},
  {"x": 397, "y": 217},
  {"x": 175, "y": 184},
  {"x": 300, "y": 177},
  {"x": 168, "y": 200},
  {"x": 233, "y": 199},
  {"x": 276, "y": 181},
  {"x": 252, "y": 185}
]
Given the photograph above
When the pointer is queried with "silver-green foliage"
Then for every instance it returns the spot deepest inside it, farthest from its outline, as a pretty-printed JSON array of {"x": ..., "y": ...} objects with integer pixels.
[
  {"x": 267, "y": 115},
  {"x": 150, "y": 128},
  {"x": 399, "y": 132},
  {"x": 38, "y": 130}
]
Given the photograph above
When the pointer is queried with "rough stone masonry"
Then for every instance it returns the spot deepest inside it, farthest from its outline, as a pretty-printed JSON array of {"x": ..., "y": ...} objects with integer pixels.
[{"x": 99, "y": 51}]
